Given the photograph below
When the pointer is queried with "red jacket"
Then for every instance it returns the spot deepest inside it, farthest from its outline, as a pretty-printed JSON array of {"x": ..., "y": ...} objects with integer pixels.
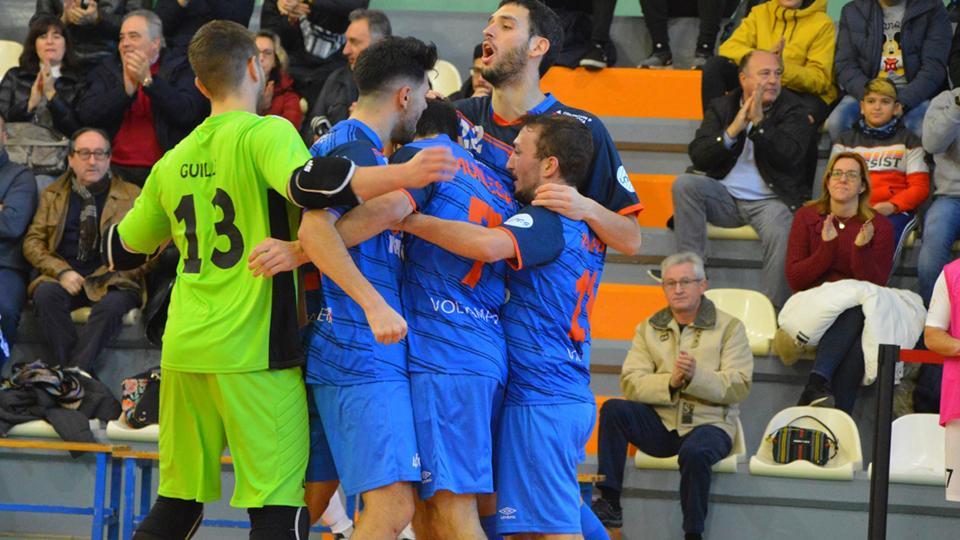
[
  {"x": 812, "y": 262},
  {"x": 286, "y": 101}
]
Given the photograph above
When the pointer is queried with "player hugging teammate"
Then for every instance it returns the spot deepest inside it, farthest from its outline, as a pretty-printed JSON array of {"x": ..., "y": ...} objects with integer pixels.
[{"x": 426, "y": 423}]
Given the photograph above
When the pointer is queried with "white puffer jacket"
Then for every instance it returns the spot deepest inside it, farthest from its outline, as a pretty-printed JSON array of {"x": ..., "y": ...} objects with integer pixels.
[{"x": 892, "y": 316}]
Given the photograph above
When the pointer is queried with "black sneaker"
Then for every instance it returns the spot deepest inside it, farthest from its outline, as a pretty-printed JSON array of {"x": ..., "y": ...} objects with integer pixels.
[
  {"x": 703, "y": 53},
  {"x": 610, "y": 517},
  {"x": 816, "y": 394},
  {"x": 596, "y": 58},
  {"x": 661, "y": 58}
]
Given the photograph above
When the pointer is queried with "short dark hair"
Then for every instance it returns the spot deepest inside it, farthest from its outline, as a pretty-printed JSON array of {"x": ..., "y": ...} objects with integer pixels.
[
  {"x": 29, "y": 59},
  {"x": 390, "y": 59},
  {"x": 71, "y": 146},
  {"x": 218, "y": 54},
  {"x": 566, "y": 139},
  {"x": 377, "y": 20},
  {"x": 544, "y": 22},
  {"x": 439, "y": 118}
]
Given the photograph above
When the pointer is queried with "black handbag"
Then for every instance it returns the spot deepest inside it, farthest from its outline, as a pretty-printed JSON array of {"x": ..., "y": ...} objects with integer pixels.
[{"x": 791, "y": 443}]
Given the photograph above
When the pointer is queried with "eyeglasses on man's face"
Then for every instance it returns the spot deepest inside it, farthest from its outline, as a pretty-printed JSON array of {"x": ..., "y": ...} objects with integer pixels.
[
  {"x": 98, "y": 155},
  {"x": 685, "y": 283}
]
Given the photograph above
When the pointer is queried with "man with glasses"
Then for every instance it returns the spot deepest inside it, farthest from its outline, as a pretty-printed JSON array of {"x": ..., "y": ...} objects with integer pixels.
[
  {"x": 689, "y": 367},
  {"x": 62, "y": 243},
  {"x": 751, "y": 149}
]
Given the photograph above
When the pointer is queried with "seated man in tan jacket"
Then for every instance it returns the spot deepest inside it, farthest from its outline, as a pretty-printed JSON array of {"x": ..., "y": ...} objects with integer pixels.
[
  {"x": 689, "y": 366},
  {"x": 63, "y": 244}
]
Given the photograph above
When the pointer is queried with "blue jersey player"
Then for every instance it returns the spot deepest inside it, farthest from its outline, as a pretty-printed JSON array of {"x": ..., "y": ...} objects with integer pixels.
[
  {"x": 360, "y": 386},
  {"x": 520, "y": 42},
  {"x": 556, "y": 263},
  {"x": 456, "y": 345}
]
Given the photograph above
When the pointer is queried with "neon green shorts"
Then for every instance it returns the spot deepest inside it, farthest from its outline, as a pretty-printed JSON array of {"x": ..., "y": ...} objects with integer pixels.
[{"x": 260, "y": 415}]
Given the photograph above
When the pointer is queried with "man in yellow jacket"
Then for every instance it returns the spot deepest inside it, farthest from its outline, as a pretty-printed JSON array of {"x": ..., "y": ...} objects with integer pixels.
[{"x": 801, "y": 32}]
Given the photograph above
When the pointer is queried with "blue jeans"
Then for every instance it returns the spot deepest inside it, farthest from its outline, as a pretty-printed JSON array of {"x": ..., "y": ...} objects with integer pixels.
[
  {"x": 623, "y": 422},
  {"x": 840, "y": 357},
  {"x": 847, "y": 112},
  {"x": 941, "y": 227},
  {"x": 14, "y": 287}
]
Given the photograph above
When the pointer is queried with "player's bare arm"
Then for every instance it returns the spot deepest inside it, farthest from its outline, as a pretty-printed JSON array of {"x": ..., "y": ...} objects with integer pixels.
[
  {"x": 617, "y": 231},
  {"x": 321, "y": 242},
  {"x": 465, "y": 239},
  {"x": 371, "y": 218}
]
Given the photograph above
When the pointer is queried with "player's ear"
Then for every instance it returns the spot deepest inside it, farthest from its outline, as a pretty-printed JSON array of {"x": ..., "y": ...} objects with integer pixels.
[
  {"x": 539, "y": 46},
  {"x": 252, "y": 70},
  {"x": 403, "y": 97},
  {"x": 203, "y": 89},
  {"x": 550, "y": 166}
]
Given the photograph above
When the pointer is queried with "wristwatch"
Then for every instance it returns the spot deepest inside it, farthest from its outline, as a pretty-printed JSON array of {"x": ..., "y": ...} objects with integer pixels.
[{"x": 147, "y": 81}]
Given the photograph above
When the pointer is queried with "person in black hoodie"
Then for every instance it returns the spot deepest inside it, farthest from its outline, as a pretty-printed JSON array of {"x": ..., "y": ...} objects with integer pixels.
[
  {"x": 750, "y": 149},
  {"x": 145, "y": 98},
  {"x": 44, "y": 88}
]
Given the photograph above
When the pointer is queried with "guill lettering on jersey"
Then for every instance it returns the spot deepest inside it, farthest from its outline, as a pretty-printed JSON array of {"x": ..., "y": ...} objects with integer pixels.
[
  {"x": 197, "y": 170},
  {"x": 451, "y": 307}
]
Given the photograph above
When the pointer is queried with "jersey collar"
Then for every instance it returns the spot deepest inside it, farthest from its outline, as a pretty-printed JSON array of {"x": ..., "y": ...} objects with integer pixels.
[
  {"x": 542, "y": 107},
  {"x": 368, "y": 133}
]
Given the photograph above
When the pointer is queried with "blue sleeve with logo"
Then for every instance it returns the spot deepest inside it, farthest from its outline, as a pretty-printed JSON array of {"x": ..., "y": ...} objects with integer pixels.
[
  {"x": 537, "y": 234},
  {"x": 609, "y": 183}
]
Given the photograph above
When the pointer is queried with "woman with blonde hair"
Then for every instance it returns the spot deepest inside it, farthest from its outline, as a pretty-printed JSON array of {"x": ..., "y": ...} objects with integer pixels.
[
  {"x": 279, "y": 97},
  {"x": 839, "y": 236}
]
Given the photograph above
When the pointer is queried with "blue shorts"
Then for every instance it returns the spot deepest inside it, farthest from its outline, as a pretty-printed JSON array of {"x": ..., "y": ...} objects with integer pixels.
[
  {"x": 455, "y": 417},
  {"x": 538, "y": 450},
  {"x": 369, "y": 433},
  {"x": 320, "y": 467}
]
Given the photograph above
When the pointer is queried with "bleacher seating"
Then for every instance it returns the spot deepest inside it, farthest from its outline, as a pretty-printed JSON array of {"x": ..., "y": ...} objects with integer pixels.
[
  {"x": 917, "y": 450},
  {"x": 738, "y": 454},
  {"x": 754, "y": 310},
  {"x": 849, "y": 456},
  {"x": 9, "y": 55},
  {"x": 445, "y": 78}
]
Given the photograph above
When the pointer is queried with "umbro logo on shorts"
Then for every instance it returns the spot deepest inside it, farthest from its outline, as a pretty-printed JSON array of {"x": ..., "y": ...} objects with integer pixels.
[
  {"x": 507, "y": 513},
  {"x": 425, "y": 477}
]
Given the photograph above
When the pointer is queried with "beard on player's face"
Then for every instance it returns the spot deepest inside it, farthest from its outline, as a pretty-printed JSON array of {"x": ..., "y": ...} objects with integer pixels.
[
  {"x": 509, "y": 67},
  {"x": 526, "y": 196}
]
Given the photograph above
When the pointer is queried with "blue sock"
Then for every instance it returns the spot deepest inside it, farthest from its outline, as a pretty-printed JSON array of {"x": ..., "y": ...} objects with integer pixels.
[
  {"x": 590, "y": 525},
  {"x": 489, "y": 524}
]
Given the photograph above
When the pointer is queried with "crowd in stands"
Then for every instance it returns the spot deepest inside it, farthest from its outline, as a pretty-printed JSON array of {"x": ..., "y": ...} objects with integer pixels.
[{"x": 113, "y": 78}]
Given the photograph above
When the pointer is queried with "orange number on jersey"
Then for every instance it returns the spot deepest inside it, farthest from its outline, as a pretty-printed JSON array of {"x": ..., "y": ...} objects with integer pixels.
[
  {"x": 585, "y": 288},
  {"x": 480, "y": 213}
]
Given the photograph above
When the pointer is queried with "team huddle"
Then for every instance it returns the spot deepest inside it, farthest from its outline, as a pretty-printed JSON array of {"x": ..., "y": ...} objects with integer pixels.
[{"x": 458, "y": 249}]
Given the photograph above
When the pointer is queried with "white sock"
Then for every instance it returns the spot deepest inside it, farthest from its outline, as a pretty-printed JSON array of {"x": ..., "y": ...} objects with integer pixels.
[{"x": 336, "y": 516}]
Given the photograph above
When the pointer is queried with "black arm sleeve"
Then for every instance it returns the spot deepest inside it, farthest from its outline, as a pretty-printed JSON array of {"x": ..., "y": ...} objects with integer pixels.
[
  {"x": 323, "y": 182},
  {"x": 114, "y": 255}
]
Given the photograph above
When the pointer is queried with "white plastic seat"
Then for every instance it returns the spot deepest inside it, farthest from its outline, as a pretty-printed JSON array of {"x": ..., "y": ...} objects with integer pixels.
[
  {"x": 738, "y": 454},
  {"x": 736, "y": 233},
  {"x": 41, "y": 429},
  {"x": 755, "y": 311},
  {"x": 81, "y": 315},
  {"x": 444, "y": 78},
  {"x": 849, "y": 458},
  {"x": 9, "y": 55},
  {"x": 917, "y": 450},
  {"x": 117, "y": 431}
]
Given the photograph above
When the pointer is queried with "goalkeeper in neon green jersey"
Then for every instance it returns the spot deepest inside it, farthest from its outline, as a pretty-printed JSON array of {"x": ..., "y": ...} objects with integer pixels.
[{"x": 231, "y": 356}]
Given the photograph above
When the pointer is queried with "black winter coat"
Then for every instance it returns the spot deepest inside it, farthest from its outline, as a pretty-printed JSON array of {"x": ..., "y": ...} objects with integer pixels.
[
  {"x": 780, "y": 143},
  {"x": 15, "y": 94},
  {"x": 178, "y": 106}
]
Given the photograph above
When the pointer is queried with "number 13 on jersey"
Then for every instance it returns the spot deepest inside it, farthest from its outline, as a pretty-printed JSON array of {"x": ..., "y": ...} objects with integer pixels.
[{"x": 187, "y": 213}]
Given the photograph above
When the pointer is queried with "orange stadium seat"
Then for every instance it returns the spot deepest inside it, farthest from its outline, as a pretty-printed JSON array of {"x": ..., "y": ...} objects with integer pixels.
[
  {"x": 654, "y": 193},
  {"x": 620, "y": 307},
  {"x": 666, "y": 93}
]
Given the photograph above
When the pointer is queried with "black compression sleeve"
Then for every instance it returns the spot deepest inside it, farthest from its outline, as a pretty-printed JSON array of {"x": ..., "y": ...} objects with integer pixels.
[{"x": 323, "y": 182}]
